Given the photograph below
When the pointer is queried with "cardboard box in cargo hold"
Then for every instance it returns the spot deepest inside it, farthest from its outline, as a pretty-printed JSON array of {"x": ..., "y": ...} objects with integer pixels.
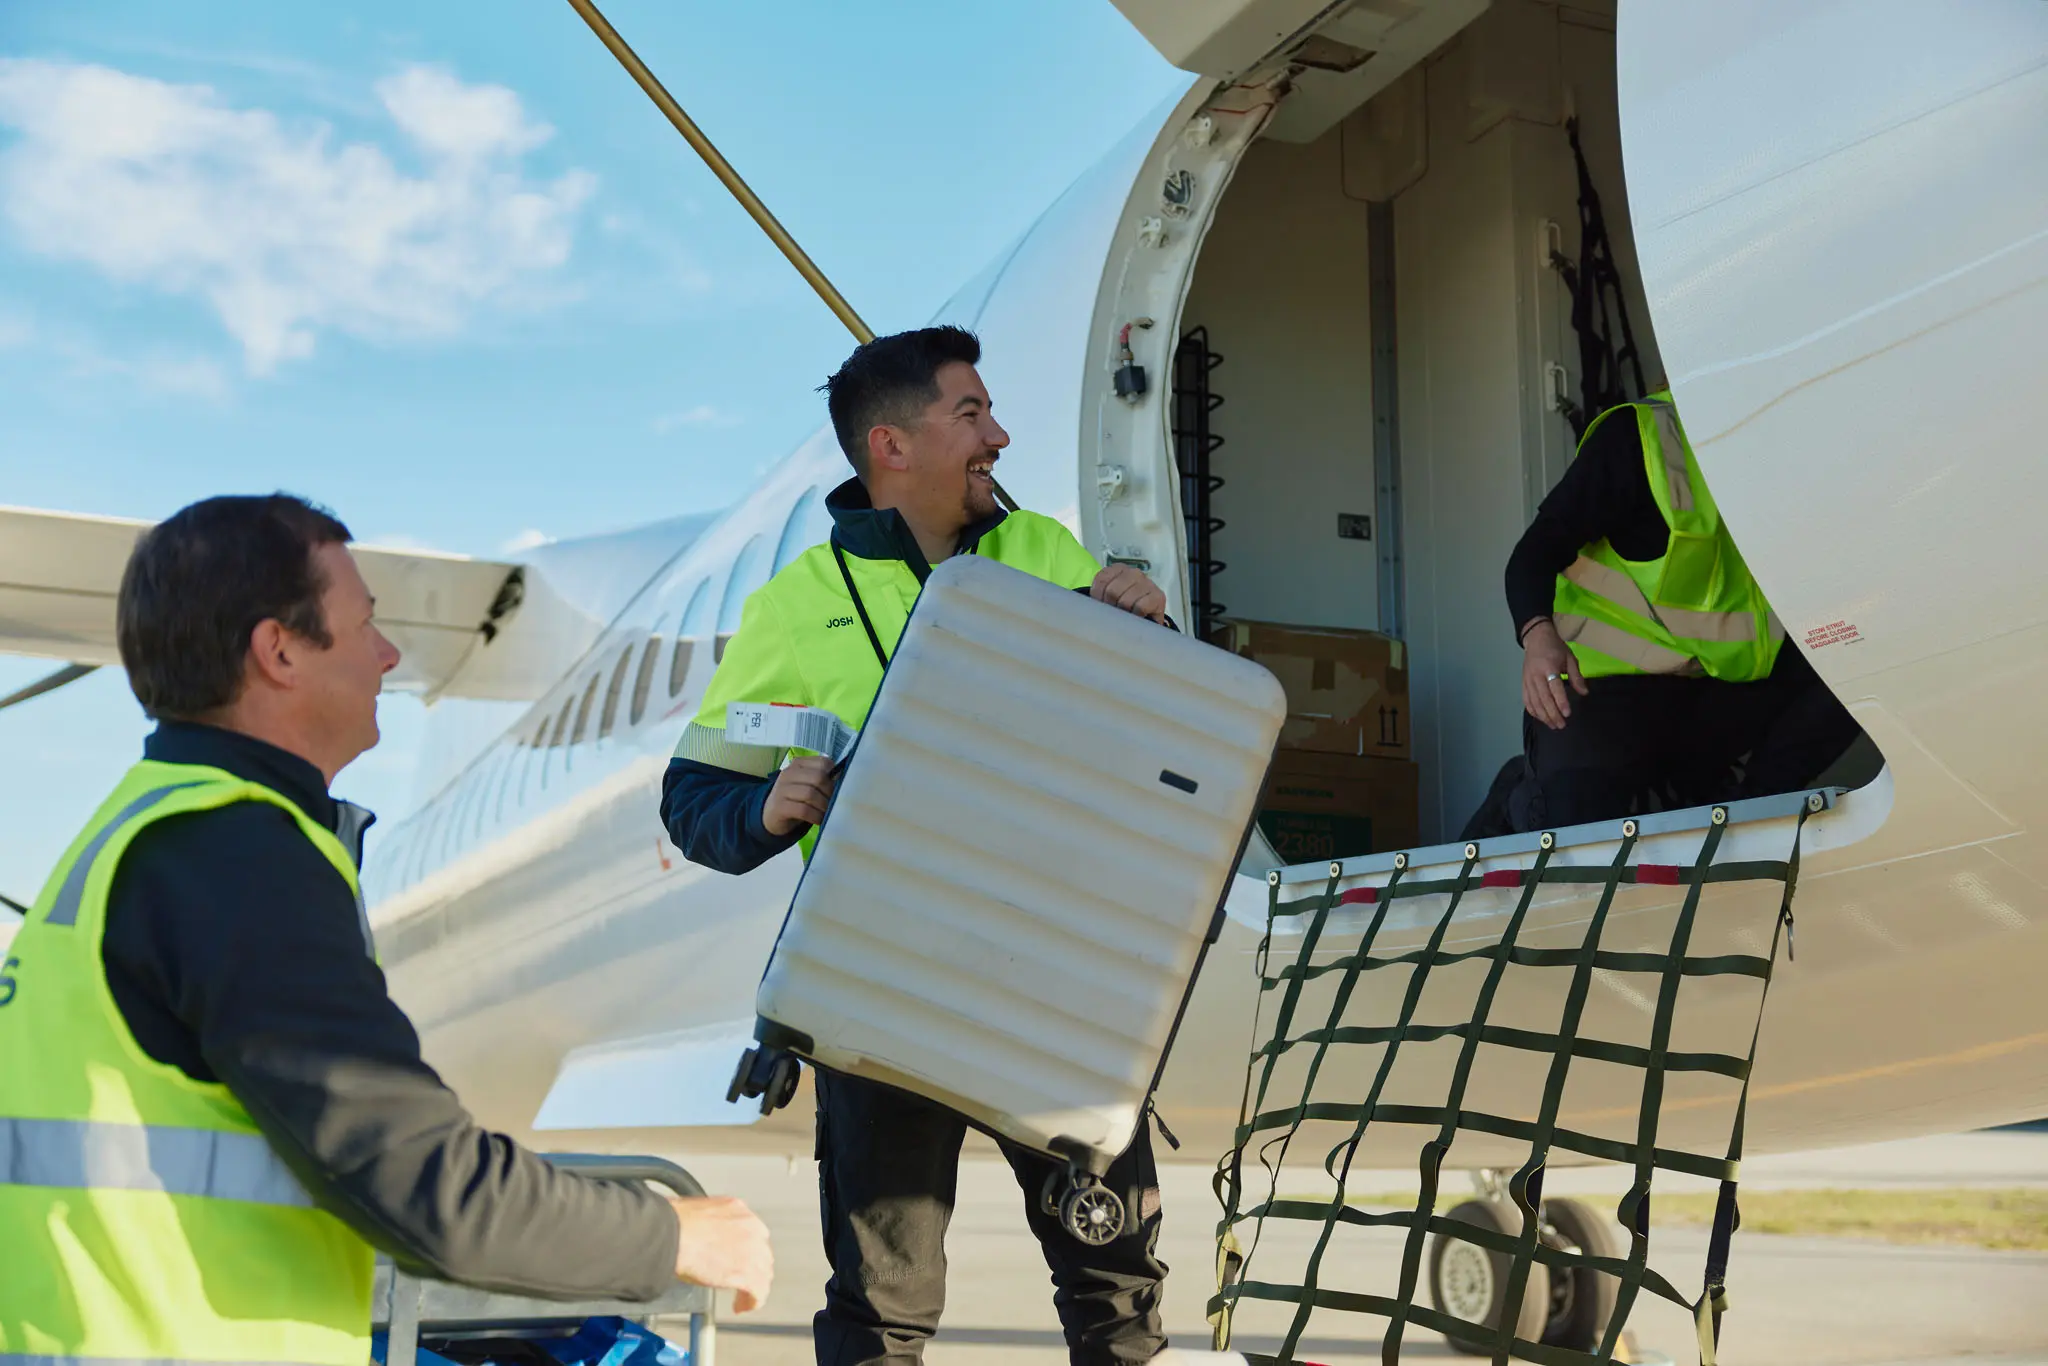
[
  {"x": 1347, "y": 691},
  {"x": 1327, "y": 806}
]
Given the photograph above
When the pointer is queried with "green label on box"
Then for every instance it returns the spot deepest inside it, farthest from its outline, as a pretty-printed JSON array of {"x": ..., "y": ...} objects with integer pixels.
[{"x": 1312, "y": 836}]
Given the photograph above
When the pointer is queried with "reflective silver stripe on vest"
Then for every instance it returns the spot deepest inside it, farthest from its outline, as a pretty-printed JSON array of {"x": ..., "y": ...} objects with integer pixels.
[
  {"x": 1722, "y": 628},
  {"x": 1775, "y": 627},
  {"x": 1671, "y": 446},
  {"x": 64, "y": 910},
  {"x": 1648, "y": 656},
  {"x": 1609, "y": 583},
  {"x": 78, "y": 1154}
]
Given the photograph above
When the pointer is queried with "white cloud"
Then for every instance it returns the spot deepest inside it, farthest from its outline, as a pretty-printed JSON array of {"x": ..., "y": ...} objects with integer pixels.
[
  {"x": 186, "y": 376},
  {"x": 703, "y": 415},
  {"x": 525, "y": 541},
  {"x": 285, "y": 232}
]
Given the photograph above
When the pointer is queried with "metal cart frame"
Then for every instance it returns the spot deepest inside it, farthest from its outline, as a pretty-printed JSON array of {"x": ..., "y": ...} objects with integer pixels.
[{"x": 408, "y": 1307}]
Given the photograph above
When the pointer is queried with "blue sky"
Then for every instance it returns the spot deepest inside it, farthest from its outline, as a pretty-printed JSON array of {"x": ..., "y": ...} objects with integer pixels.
[{"x": 445, "y": 269}]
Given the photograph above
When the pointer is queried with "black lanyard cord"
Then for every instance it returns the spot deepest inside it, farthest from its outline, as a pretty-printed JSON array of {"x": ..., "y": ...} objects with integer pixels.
[{"x": 860, "y": 606}]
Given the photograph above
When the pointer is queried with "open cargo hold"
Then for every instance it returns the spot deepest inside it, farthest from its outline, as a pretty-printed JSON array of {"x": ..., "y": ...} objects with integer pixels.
[{"x": 1379, "y": 373}]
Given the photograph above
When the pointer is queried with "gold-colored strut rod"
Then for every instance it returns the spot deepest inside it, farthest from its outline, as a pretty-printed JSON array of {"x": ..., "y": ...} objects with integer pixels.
[
  {"x": 730, "y": 178},
  {"x": 722, "y": 168}
]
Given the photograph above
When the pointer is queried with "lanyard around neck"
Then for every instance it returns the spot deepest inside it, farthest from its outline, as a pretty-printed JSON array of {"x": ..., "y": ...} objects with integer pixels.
[
  {"x": 867, "y": 624},
  {"x": 860, "y": 607}
]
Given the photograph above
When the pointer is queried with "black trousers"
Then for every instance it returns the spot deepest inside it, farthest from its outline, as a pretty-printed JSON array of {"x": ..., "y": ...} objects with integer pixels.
[
  {"x": 1642, "y": 743},
  {"x": 888, "y": 1170}
]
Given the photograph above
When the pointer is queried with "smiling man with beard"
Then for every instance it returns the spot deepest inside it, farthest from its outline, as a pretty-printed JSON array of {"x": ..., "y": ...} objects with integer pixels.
[{"x": 916, "y": 423}]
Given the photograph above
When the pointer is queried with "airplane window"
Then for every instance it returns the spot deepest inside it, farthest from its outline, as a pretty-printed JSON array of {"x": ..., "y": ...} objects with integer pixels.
[
  {"x": 696, "y": 624},
  {"x": 803, "y": 530},
  {"x": 583, "y": 714},
  {"x": 488, "y": 770},
  {"x": 561, "y": 732},
  {"x": 532, "y": 748},
  {"x": 613, "y": 692},
  {"x": 643, "y": 682},
  {"x": 749, "y": 572},
  {"x": 679, "y": 666}
]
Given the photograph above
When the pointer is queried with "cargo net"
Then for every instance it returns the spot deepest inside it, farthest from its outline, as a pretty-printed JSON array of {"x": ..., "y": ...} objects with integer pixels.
[{"x": 1588, "y": 955}]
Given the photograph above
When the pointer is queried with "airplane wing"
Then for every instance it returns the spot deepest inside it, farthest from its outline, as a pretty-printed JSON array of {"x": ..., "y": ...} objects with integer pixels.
[{"x": 59, "y": 573}]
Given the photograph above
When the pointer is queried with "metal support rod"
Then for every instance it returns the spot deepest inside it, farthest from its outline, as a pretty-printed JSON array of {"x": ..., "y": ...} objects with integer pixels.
[
  {"x": 70, "y": 673},
  {"x": 738, "y": 188},
  {"x": 721, "y": 168}
]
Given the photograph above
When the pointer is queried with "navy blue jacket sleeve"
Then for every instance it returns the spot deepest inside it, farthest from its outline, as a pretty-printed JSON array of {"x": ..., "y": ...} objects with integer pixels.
[{"x": 714, "y": 816}]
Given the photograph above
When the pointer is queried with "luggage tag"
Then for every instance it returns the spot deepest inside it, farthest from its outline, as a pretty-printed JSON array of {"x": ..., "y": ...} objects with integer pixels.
[{"x": 782, "y": 725}]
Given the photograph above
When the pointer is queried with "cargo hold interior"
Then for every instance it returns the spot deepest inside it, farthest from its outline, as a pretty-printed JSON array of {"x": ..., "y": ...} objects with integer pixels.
[{"x": 1376, "y": 350}]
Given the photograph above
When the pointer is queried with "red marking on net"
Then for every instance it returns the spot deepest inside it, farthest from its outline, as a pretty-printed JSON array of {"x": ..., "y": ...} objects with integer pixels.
[
  {"x": 1660, "y": 874},
  {"x": 1359, "y": 896},
  {"x": 1502, "y": 877}
]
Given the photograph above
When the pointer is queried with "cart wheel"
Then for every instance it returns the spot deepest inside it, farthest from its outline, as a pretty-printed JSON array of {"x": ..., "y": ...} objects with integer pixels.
[{"x": 1093, "y": 1214}]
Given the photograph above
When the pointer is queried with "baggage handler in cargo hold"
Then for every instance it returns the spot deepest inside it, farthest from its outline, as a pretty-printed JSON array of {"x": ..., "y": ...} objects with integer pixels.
[
  {"x": 211, "y": 1111},
  {"x": 1651, "y": 663},
  {"x": 915, "y": 422}
]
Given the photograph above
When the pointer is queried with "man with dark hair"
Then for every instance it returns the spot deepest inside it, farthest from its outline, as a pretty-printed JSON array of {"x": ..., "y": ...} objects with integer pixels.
[
  {"x": 916, "y": 424},
  {"x": 210, "y": 1108}
]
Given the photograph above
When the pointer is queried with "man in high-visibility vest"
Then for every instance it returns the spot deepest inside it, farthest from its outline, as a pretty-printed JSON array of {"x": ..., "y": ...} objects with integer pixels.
[
  {"x": 1653, "y": 669},
  {"x": 211, "y": 1111},
  {"x": 915, "y": 422}
]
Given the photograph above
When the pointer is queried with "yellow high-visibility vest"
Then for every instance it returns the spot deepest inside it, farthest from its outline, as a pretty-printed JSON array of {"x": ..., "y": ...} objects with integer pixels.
[
  {"x": 1695, "y": 609},
  {"x": 143, "y": 1215}
]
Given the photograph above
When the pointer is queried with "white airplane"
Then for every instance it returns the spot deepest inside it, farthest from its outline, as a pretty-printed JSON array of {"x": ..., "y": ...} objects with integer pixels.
[{"x": 1833, "y": 240}]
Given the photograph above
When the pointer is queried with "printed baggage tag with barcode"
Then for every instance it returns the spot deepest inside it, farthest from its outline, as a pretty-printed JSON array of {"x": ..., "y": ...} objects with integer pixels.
[{"x": 778, "y": 725}]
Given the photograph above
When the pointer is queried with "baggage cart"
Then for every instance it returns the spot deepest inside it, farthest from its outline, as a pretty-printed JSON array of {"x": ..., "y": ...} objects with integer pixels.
[{"x": 412, "y": 1310}]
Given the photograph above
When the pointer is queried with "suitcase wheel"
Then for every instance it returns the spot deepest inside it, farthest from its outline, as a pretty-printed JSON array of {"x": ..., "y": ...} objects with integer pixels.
[
  {"x": 742, "y": 1079},
  {"x": 768, "y": 1073},
  {"x": 781, "y": 1087},
  {"x": 1092, "y": 1213}
]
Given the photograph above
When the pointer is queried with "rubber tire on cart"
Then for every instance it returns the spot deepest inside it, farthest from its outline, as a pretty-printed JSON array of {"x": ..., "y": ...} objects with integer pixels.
[
  {"x": 1470, "y": 1282},
  {"x": 1582, "y": 1300}
]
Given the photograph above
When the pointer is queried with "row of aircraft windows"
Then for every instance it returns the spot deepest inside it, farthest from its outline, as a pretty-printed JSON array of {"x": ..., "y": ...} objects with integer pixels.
[{"x": 519, "y": 769}]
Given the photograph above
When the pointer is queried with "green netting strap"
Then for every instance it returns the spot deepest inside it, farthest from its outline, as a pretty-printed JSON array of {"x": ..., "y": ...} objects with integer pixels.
[
  {"x": 1719, "y": 965},
  {"x": 1471, "y": 1233},
  {"x": 1431, "y": 1159},
  {"x": 1589, "y": 1145},
  {"x": 1524, "y": 1248},
  {"x": 1635, "y": 1206},
  {"x": 1713, "y": 1301},
  {"x": 1356, "y": 1303},
  {"x": 1409, "y": 1001},
  {"x": 1645, "y": 875},
  {"x": 1599, "y": 1050},
  {"x": 1289, "y": 1000}
]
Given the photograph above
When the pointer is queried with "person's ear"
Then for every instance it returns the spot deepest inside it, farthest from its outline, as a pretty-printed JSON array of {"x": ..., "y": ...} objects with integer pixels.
[
  {"x": 272, "y": 653},
  {"x": 888, "y": 447}
]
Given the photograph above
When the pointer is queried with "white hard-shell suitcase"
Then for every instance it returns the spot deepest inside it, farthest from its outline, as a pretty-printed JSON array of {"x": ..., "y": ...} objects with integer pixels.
[{"x": 1020, "y": 870}]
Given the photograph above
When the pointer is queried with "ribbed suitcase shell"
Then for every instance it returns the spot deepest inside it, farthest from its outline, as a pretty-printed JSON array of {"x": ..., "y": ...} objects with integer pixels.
[{"x": 1011, "y": 892}]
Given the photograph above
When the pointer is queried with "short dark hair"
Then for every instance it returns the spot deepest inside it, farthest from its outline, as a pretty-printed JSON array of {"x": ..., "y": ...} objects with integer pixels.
[
  {"x": 890, "y": 380},
  {"x": 200, "y": 582}
]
